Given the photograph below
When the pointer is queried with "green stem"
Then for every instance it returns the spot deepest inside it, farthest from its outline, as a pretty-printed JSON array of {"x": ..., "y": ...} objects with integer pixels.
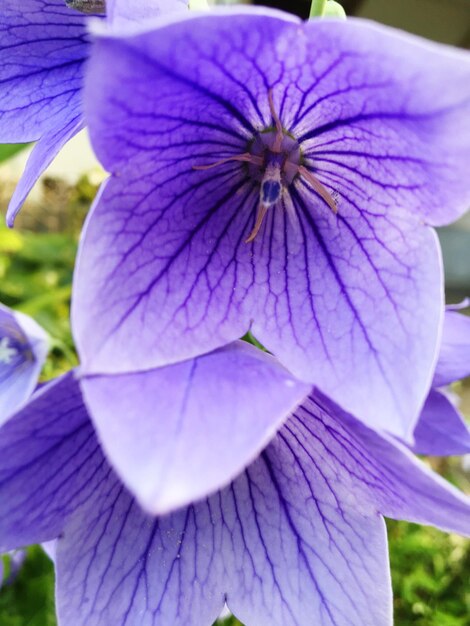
[{"x": 318, "y": 8}]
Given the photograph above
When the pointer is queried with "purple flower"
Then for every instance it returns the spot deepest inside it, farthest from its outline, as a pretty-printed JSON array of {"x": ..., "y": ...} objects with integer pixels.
[
  {"x": 23, "y": 350},
  {"x": 441, "y": 429},
  {"x": 279, "y": 177},
  {"x": 297, "y": 531},
  {"x": 45, "y": 46}
]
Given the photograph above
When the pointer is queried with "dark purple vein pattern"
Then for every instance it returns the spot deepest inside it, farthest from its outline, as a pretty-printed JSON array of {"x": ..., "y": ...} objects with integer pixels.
[
  {"x": 351, "y": 302},
  {"x": 50, "y": 462},
  {"x": 298, "y": 533},
  {"x": 43, "y": 46}
]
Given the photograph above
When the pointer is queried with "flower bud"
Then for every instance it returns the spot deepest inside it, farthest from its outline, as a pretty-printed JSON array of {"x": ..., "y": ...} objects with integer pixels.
[{"x": 334, "y": 9}]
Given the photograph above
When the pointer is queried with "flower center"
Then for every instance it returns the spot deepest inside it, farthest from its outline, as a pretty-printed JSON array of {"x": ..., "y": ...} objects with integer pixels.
[
  {"x": 274, "y": 163},
  {"x": 274, "y": 160},
  {"x": 274, "y": 154}
]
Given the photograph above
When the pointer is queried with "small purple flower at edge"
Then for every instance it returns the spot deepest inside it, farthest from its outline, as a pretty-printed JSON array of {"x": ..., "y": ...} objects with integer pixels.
[
  {"x": 47, "y": 45},
  {"x": 23, "y": 350},
  {"x": 279, "y": 177},
  {"x": 294, "y": 529},
  {"x": 441, "y": 429}
]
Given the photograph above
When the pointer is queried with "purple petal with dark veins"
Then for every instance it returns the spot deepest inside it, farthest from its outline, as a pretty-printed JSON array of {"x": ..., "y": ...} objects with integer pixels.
[
  {"x": 387, "y": 121},
  {"x": 297, "y": 533},
  {"x": 177, "y": 433},
  {"x": 454, "y": 357},
  {"x": 441, "y": 429},
  {"x": 44, "y": 152},
  {"x": 23, "y": 350},
  {"x": 46, "y": 45},
  {"x": 394, "y": 480},
  {"x": 277, "y": 545},
  {"x": 351, "y": 303},
  {"x": 50, "y": 462}
]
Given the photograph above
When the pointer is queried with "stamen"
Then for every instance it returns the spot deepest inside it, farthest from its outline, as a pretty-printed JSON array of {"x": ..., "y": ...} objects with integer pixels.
[
  {"x": 279, "y": 130},
  {"x": 245, "y": 157},
  {"x": 262, "y": 210},
  {"x": 318, "y": 187}
]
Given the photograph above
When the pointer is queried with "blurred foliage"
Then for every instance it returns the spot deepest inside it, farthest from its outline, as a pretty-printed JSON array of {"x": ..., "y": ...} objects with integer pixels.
[
  {"x": 431, "y": 572},
  {"x": 36, "y": 267},
  {"x": 10, "y": 149},
  {"x": 29, "y": 601},
  {"x": 430, "y": 569}
]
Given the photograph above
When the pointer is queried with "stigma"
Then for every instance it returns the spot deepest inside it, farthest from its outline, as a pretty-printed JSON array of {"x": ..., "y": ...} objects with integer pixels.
[{"x": 271, "y": 188}]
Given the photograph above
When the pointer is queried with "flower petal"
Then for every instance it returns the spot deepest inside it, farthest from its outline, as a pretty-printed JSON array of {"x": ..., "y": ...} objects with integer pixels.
[
  {"x": 44, "y": 152},
  {"x": 277, "y": 545},
  {"x": 393, "y": 479},
  {"x": 23, "y": 349},
  {"x": 177, "y": 433},
  {"x": 350, "y": 303},
  {"x": 298, "y": 533},
  {"x": 50, "y": 462},
  {"x": 46, "y": 45},
  {"x": 386, "y": 119},
  {"x": 122, "y": 11},
  {"x": 389, "y": 133},
  {"x": 454, "y": 357},
  {"x": 441, "y": 429}
]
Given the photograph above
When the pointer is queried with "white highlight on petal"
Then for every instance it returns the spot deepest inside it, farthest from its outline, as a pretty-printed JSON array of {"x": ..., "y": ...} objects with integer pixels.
[{"x": 7, "y": 353}]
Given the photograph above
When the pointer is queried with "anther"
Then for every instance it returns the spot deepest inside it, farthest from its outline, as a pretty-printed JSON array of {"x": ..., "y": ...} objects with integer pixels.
[
  {"x": 262, "y": 210},
  {"x": 277, "y": 122},
  {"x": 245, "y": 157},
  {"x": 318, "y": 187}
]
